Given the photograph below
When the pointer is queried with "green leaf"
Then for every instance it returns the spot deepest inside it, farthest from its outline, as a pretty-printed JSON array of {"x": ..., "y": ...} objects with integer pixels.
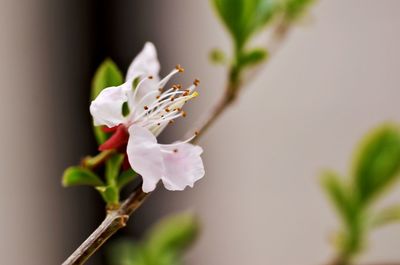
[
  {"x": 126, "y": 177},
  {"x": 110, "y": 194},
  {"x": 113, "y": 166},
  {"x": 295, "y": 9},
  {"x": 386, "y": 216},
  {"x": 253, "y": 57},
  {"x": 172, "y": 235},
  {"x": 338, "y": 195},
  {"x": 74, "y": 176},
  {"x": 377, "y": 162},
  {"x": 106, "y": 75},
  {"x": 243, "y": 18}
]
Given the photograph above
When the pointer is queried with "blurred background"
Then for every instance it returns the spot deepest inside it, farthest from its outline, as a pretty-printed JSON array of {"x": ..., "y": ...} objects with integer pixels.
[{"x": 260, "y": 203}]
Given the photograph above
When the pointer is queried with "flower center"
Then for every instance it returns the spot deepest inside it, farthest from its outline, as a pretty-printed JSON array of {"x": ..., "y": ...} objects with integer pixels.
[{"x": 160, "y": 107}]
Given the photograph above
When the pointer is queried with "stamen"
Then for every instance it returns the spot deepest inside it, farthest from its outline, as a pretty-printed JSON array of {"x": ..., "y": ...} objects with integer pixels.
[
  {"x": 166, "y": 79},
  {"x": 150, "y": 77},
  {"x": 146, "y": 108},
  {"x": 179, "y": 143},
  {"x": 179, "y": 68},
  {"x": 196, "y": 82}
]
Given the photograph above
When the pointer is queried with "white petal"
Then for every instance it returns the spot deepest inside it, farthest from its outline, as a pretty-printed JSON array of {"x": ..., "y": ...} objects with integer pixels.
[
  {"x": 145, "y": 63},
  {"x": 145, "y": 156},
  {"x": 183, "y": 167},
  {"x": 106, "y": 109}
]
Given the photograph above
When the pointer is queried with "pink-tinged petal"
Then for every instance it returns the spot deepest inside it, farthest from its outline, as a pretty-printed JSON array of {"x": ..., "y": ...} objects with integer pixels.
[
  {"x": 183, "y": 165},
  {"x": 106, "y": 109},
  {"x": 145, "y": 156},
  {"x": 145, "y": 63}
]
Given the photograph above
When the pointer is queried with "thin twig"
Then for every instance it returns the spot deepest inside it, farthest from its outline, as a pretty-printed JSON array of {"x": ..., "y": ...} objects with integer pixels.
[{"x": 116, "y": 219}]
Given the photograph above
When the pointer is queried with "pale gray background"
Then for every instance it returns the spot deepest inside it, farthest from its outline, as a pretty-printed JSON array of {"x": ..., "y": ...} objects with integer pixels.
[{"x": 260, "y": 203}]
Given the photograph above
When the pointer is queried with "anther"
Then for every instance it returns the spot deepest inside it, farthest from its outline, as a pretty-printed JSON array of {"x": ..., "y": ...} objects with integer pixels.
[
  {"x": 179, "y": 68},
  {"x": 171, "y": 121},
  {"x": 183, "y": 114},
  {"x": 158, "y": 97},
  {"x": 161, "y": 89},
  {"x": 150, "y": 77},
  {"x": 196, "y": 133},
  {"x": 158, "y": 124},
  {"x": 146, "y": 108},
  {"x": 196, "y": 82},
  {"x": 175, "y": 150},
  {"x": 167, "y": 110},
  {"x": 172, "y": 98}
]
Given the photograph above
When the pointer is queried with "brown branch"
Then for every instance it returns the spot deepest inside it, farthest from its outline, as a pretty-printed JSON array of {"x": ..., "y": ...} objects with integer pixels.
[{"x": 116, "y": 219}]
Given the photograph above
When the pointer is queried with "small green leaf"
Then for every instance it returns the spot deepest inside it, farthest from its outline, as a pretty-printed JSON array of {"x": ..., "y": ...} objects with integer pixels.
[
  {"x": 125, "y": 109},
  {"x": 74, "y": 176},
  {"x": 172, "y": 235},
  {"x": 243, "y": 18},
  {"x": 338, "y": 195},
  {"x": 386, "y": 216},
  {"x": 377, "y": 162},
  {"x": 217, "y": 56},
  {"x": 106, "y": 75},
  {"x": 125, "y": 177},
  {"x": 253, "y": 57},
  {"x": 113, "y": 166},
  {"x": 110, "y": 194},
  {"x": 295, "y": 9}
]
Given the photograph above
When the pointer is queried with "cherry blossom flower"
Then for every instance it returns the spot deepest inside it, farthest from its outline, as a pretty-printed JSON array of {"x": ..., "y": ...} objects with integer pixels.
[{"x": 151, "y": 109}]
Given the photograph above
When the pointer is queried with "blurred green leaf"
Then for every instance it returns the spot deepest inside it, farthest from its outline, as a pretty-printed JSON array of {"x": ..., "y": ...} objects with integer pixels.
[
  {"x": 74, "y": 176},
  {"x": 172, "y": 235},
  {"x": 377, "y": 162},
  {"x": 295, "y": 9},
  {"x": 125, "y": 177},
  {"x": 243, "y": 18},
  {"x": 253, "y": 57},
  {"x": 113, "y": 166},
  {"x": 217, "y": 56},
  {"x": 338, "y": 195},
  {"x": 386, "y": 216},
  {"x": 110, "y": 194},
  {"x": 126, "y": 252},
  {"x": 164, "y": 244},
  {"x": 106, "y": 75}
]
